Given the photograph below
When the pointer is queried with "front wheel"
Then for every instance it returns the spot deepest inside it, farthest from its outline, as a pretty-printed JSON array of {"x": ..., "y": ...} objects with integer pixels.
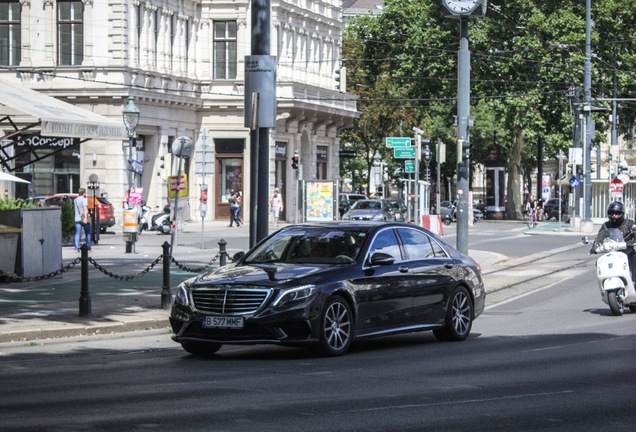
[
  {"x": 201, "y": 349},
  {"x": 459, "y": 317},
  {"x": 615, "y": 303},
  {"x": 447, "y": 221},
  {"x": 336, "y": 327}
]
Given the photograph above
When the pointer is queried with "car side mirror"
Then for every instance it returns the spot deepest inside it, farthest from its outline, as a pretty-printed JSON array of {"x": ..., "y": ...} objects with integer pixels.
[
  {"x": 237, "y": 256},
  {"x": 381, "y": 258}
]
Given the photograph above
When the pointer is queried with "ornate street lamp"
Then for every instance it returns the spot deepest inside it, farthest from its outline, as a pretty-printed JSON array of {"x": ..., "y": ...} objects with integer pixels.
[
  {"x": 93, "y": 185},
  {"x": 130, "y": 115}
]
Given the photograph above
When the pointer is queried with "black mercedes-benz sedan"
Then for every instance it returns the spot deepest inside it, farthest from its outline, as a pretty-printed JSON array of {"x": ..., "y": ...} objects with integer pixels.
[{"x": 324, "y": 285}]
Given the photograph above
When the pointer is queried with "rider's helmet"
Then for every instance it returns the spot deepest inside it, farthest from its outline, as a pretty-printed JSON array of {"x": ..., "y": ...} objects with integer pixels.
[{"x": 616, "y": 212}]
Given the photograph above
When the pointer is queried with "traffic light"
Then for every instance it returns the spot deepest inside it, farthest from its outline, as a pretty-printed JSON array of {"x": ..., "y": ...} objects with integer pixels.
[
  {"x": 295, "y": 160},
  {"x": 341, "y": 79}
]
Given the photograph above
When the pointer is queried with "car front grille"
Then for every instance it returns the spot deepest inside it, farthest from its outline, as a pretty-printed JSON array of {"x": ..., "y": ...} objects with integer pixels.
[{"x": 235, "y": 300}]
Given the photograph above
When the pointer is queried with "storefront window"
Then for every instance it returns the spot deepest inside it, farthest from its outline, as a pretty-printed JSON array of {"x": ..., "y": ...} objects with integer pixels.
[{"x": 231, "y": 177}]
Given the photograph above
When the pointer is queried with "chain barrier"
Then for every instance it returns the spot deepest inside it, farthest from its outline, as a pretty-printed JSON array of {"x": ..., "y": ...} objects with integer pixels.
[
  {"x": 18, "y": 278},
  {"x": 127, "y": 277},
  {"x": 195, "y": 270}
]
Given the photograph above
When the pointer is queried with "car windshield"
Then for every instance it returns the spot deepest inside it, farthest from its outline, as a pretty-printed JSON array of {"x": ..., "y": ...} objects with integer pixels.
[
  {"x": 364, "y": 204},
  {"x": 310, "y": 245}
]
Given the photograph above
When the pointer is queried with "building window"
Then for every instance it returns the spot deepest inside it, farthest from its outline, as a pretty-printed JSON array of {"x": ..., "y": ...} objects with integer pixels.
[
  {"x": 70, "y": 32},
  {"x": 225, "y": 63},
  {"x": 322, "y": 156},
  {"x": 10, "y": 33}
]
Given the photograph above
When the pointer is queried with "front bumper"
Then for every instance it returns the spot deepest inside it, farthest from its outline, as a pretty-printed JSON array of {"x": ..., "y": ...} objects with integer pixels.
[{"x": 290, "y": 327}]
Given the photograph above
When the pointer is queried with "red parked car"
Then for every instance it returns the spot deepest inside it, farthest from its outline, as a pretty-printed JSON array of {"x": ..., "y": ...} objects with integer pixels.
[{"x": 106, "y": 210}]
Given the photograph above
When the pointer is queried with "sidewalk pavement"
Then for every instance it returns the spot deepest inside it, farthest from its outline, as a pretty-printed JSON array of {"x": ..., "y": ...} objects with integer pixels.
[{"x": 49, "y": 308}]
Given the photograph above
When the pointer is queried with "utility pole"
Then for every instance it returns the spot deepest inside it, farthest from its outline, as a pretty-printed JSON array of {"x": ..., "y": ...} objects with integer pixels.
[{"x": 586, "y": 224}]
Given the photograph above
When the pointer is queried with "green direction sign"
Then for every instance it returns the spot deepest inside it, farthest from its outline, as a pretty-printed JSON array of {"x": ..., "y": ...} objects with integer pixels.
[
  {"x": 398, "y": 142},
  {"x": 404, "y": 152},
  {"x": 409, "y": 166}
]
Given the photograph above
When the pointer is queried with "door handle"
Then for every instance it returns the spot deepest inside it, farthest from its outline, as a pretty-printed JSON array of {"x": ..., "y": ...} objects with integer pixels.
[
  {"x": 449, "y": 265},
  {"x": 403, "y": 269}
]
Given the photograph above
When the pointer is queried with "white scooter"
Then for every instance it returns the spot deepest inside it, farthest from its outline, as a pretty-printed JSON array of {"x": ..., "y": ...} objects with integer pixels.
[{"x": 613, "y": 273}]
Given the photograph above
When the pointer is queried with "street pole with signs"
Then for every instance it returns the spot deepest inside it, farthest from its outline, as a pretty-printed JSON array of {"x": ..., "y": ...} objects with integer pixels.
[{"x": 130, "y": 115}]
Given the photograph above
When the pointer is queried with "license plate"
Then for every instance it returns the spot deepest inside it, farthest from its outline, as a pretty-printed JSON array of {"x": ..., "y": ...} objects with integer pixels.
[{"x": 223, "y": 322}]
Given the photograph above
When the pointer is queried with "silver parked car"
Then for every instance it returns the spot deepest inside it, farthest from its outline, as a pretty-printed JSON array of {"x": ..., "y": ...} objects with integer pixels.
[{"x": 372, "y": 209}]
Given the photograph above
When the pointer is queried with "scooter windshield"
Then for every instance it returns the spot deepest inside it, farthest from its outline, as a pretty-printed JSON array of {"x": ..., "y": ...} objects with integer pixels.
[{"x": 615, "y": 234}]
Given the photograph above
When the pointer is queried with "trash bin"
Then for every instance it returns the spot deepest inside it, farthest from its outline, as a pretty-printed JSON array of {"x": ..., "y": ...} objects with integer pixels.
[{"x": 9, "y": 239}]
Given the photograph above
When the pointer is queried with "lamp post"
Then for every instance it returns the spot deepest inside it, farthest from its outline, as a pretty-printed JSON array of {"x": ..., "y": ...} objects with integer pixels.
[
  {"x": 93, "y": 185},
  {"x": 426, "y": 153},
  {"x": 130, "y": 115},
  {"x": 378, "y": 173}
]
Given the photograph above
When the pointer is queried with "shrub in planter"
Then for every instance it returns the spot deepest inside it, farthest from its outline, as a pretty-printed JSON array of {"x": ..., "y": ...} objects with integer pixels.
[
  {"x": 68, "y": 220},
  {"x": 15, "y": 203}
]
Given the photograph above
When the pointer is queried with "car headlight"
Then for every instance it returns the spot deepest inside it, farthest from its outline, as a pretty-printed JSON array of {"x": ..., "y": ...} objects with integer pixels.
[
  {"x": 295, "y": 295},
  {"x": 377, "y": 216},
  {"x": 182, "y": 296}
]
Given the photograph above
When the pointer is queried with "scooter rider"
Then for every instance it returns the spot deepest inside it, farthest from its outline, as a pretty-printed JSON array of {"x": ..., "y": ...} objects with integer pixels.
[{"x": 617, "y": 219}]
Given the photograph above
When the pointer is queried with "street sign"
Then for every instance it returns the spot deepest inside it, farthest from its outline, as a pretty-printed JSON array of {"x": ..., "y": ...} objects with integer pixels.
[
  {"x": 348, "y": 153},
  {"x": 404, "y": 152},
  {"x": 409, "y": 166},
  {"x": 616, "y": 185},
  {"x": 398, "y": 142},
  {"x": 574, "y": 182},
  {"x": 623, "y": 177}
]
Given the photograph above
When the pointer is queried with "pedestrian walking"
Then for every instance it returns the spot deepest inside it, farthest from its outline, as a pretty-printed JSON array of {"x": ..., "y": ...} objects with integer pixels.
[
  {"x": 232, "y": 201},
  {"x": 276, "y": 205},
  {"x": 238, "y": 201},
  {"x": 80, "y": 204}
]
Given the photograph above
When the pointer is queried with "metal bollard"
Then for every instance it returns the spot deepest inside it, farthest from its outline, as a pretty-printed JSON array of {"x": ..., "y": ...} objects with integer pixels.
[
  {"x": 85, "y": 298},
  {"x": 222, "y": 252},
  {"x": 166, "y": 297}
]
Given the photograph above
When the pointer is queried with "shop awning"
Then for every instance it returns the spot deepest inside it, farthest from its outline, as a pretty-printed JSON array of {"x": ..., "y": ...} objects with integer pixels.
[
  {"x": 11, "y": 178},
  {"x": 58, "y": 118}
]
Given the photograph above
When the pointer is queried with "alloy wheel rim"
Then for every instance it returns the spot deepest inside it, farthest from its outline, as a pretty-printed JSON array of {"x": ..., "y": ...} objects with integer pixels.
[
  {"x": 337, "y": 326},
  {"x": 461, "y": 313}
]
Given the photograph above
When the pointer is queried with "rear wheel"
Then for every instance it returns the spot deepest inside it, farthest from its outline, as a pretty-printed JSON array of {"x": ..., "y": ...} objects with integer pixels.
[
  {"x": 102, "y": 230},
  {"x": 336, "y": 327},
  {"x": 459, "y": 317},
  {"x": 201, "y": 349},
  {"x": 615, "y": 303}
]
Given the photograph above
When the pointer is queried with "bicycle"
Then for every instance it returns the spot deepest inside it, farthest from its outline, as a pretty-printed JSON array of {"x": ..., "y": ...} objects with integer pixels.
[{"x": 532, "y": 218}]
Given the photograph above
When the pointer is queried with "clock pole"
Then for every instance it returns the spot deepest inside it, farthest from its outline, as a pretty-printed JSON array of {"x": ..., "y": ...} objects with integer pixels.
[
  {"x": 463, "y": 136},
  {"x": 463, "y": 10}
]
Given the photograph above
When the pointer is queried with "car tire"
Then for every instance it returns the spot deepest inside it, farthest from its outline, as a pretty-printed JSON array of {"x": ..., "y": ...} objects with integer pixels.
[
  {"x": 201, "y": 349},
  {"x": 336, "y": 327},
  {"x": 459, "y": 317},
  {"x": 102, "y": 230}
]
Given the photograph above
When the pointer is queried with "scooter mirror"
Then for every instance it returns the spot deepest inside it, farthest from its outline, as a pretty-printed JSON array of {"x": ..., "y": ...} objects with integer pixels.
[
  {"x": 585, "y": 240},
  {"x": 633, "y": 228}
]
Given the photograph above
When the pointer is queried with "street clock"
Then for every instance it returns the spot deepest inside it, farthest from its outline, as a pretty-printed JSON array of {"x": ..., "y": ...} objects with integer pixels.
[{"x": 465, "y": 8}]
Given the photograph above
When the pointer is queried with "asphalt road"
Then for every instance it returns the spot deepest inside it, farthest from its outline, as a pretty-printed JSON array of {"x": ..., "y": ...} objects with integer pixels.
[{"x": 548, "y": 359}]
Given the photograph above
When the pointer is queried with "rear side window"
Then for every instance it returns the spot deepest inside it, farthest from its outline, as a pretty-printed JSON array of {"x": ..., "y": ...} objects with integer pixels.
[{"x": 420, "y": 246}]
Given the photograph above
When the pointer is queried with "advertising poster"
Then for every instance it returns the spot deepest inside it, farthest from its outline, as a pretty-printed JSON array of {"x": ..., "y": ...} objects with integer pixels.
[{"x": 319, "y": 201}]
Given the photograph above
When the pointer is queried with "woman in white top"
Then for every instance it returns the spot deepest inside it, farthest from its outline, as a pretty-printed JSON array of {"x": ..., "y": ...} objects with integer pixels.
[{"x": 276, "y": 205}]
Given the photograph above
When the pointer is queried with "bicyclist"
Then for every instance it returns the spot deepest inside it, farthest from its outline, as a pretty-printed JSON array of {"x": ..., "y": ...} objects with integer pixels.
[{"x": 531, "y": 207}]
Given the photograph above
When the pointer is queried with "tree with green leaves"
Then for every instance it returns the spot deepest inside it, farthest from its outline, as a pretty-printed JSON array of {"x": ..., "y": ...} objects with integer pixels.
[{"x": 527, "y": 60}]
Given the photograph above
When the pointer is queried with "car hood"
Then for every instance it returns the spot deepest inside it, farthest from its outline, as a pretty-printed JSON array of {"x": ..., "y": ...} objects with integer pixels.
[{"x": 260, "y": 274}]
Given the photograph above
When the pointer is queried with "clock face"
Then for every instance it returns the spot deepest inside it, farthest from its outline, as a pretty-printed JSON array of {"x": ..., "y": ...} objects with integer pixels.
[{"x": 463, "y": 7}]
